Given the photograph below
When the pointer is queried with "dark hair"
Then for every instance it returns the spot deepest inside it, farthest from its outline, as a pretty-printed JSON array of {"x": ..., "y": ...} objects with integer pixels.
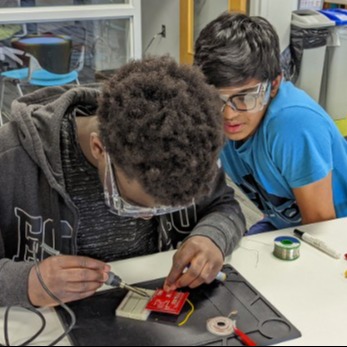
[
  {"x": 161, "y": 124},
  {"x": 234, "y": 48}
]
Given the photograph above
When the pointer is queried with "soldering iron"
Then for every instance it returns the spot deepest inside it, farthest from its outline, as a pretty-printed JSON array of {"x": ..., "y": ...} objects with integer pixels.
[{"x": 115, "y": 281}]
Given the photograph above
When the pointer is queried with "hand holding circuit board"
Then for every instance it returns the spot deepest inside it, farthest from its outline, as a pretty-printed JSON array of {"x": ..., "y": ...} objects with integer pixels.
[{"x": 139, "y": 303}]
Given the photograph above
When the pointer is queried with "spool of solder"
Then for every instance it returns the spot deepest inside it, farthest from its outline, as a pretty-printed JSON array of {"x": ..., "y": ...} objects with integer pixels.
[{"x": 287, "y": 248}]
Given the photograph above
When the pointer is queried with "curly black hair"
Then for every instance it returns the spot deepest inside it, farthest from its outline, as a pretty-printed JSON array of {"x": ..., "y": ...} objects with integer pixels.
[{"x": 161, "y": 124}]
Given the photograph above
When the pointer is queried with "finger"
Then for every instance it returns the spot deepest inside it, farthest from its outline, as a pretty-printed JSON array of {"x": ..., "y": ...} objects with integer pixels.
[
  {"x": 78, "y": 287},
  {"x": 74, "y": 297},
  {"x": 67, "y": 294},
  {"x": 71, "y": 261},
  {"x": 192, "y": 274},
  {"x": 61, "y": 289},
  {"x": 181, "y": 261},
  {"x": 169, "y": 287},
  {"x": 207, "y": 275},
  {"x": 83, "y": 275},
  {"x": 84, "y": 295}
]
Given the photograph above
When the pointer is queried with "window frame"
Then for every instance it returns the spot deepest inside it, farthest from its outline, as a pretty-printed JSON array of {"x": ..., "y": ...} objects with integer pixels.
[
  {"x": 49, "y": 14},
  {"x": 187, "y": 26}
]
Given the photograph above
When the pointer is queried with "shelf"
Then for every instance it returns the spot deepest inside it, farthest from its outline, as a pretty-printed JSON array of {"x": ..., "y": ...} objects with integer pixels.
[{"x": 337, "y": 2}]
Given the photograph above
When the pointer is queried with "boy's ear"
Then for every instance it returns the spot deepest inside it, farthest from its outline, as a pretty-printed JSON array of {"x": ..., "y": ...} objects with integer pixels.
[
  {"x": 96, "y": 146},
  {"x": 275, "y": 84}
]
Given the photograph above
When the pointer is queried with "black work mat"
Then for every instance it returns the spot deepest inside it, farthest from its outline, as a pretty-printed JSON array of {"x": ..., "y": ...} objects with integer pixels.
[{"x": 97, "y": 324}]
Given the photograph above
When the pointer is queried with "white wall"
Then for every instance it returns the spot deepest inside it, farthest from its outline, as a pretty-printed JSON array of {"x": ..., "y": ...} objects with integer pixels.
[
  {"x": 278, "y": 13},
  {"x": 205, "y": 11},
  {"x": 167, "y": 12},
  {"x": 156, "y": 13}
]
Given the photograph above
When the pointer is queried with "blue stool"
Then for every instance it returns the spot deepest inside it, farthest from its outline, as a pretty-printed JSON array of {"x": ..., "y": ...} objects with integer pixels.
[
  {"x": 35, "y": 74},
  {"x": 53, "y": 52}
]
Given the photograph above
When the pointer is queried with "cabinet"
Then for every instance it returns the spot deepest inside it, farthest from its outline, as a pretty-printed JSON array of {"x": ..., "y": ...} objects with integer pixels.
[{"x": 336, "y": 2}]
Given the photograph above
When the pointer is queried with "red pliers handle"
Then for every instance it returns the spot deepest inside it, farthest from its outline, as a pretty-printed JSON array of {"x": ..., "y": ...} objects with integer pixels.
[{"x": 243, "y": 337}]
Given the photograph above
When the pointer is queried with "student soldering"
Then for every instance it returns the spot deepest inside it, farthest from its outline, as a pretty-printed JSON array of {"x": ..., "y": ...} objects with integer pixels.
[{"x": 102, "y": 175}]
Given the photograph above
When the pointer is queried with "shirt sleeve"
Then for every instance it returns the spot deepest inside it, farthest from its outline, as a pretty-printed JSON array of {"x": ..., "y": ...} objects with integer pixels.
[
  {"x": 14, "y": 278},
  {"x": 220, "y": 217},
  {"x": 300, "y": 143}
]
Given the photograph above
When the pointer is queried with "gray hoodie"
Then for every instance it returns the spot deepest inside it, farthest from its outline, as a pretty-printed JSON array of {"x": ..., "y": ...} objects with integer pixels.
[{"x": 34, "y": 205}]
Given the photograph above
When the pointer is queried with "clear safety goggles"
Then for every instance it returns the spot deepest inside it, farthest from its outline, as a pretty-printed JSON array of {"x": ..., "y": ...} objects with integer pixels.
[
  {"x": 120, "y": 206},
  {"x": 252, "y": 101}
]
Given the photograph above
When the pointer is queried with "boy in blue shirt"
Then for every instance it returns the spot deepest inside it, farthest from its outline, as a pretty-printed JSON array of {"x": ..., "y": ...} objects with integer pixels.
[{"x": 283, "y": 149}]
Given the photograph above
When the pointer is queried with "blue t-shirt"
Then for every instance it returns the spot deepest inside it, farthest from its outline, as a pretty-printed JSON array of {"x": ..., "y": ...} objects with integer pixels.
[{"x": 296, "y": 144}]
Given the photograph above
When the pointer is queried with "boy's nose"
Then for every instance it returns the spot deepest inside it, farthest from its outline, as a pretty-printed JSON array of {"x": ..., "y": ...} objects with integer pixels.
[{"x": 229, "y": 113}]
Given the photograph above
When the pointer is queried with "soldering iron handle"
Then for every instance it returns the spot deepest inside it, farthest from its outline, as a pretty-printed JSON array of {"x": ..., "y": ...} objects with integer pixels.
[{"x": 113, "y": 280}]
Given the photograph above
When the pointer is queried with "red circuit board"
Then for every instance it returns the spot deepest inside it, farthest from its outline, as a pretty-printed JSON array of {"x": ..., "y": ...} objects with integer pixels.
[{"x": 167, "y": 302}]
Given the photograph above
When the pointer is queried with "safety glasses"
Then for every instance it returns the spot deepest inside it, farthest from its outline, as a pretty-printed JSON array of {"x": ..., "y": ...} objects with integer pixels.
[
  {"x": 252, "y": 101},
  {"x": 120, "y": 206}
]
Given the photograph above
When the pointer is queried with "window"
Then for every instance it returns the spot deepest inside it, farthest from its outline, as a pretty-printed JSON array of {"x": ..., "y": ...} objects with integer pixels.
[{"x": 108, "y": 30}]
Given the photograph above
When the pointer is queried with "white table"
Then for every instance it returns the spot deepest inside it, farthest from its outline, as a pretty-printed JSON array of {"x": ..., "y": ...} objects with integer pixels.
[{"x": 311, "y": 291}]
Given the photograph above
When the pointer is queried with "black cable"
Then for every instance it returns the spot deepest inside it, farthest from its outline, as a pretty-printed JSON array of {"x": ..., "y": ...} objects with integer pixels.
[
  {"x": 38, "y": 313},
  {"x": 31, "y": 339},
  {"x": 56, "y": 299},
  {"x": 151, "y": 41}
]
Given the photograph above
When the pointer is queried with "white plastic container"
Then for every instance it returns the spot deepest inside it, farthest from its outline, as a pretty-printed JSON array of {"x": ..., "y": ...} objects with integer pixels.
[
  {"x": 336, "y": 66},
  {"x": 313, "y": 59}
]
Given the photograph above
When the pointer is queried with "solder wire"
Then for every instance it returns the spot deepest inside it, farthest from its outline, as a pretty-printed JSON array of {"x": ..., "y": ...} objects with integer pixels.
[
  {"x": 286, "y": 248},
  {"x": 185, "y": 320}
]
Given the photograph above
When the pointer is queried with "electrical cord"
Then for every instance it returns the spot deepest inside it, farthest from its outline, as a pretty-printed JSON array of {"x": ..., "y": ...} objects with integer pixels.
[
  {"x": 192, "y": 309},
  {"x": 37, "y": 312},
  {"x": 31, "y": 339},
  {"x": 56, "y": 299},
  {"x": 151, "y": 41}
]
